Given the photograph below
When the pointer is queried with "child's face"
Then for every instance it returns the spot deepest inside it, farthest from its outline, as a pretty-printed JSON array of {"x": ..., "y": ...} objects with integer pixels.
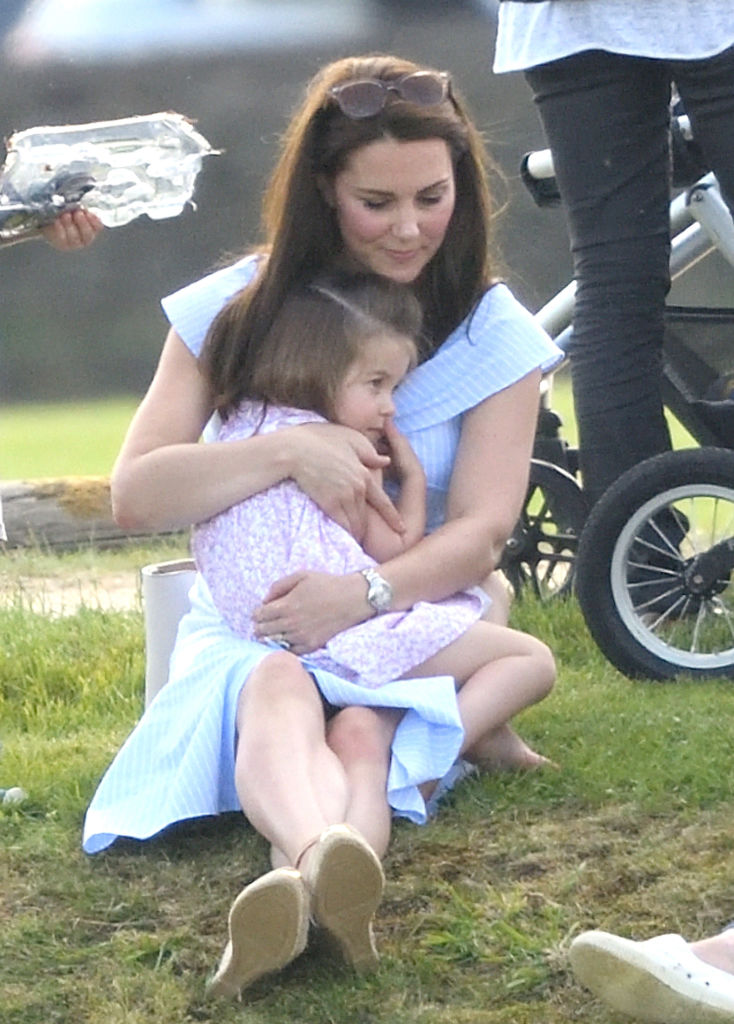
[{"x": 365, "y": 399}]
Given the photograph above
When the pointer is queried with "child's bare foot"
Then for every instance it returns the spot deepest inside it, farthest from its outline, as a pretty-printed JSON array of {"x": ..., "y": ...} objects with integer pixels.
[{"x": 504, "y": 750}]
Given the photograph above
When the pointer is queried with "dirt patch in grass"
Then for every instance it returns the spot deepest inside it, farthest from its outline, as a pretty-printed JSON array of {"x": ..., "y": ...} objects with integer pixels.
[{"x": 65, "y": 594}]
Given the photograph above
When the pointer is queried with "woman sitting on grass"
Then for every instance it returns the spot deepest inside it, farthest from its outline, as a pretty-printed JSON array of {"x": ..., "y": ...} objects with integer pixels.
[
  {"x": 381, "y": 171},
  {"x": 356, "y": 344}
]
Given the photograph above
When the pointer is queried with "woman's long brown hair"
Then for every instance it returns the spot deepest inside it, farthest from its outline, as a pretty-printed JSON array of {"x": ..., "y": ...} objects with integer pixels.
[{"x": 301, "y": 231}]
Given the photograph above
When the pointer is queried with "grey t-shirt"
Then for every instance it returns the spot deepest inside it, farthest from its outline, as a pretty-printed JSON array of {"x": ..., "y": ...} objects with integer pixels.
[{"x": 535, "y": 33}]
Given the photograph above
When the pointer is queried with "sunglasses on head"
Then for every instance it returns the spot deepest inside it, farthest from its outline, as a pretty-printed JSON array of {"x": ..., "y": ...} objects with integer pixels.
[{"x": 366, "y": 97}]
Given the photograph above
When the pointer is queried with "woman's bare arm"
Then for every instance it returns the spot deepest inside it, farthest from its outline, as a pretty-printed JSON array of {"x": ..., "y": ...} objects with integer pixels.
[
  {"x": 165, "y": 479},
  {"x": 486, "y": 494}
]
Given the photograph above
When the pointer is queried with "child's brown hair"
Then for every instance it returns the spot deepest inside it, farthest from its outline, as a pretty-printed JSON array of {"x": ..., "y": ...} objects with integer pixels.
[{"x": 318, "y": 334}]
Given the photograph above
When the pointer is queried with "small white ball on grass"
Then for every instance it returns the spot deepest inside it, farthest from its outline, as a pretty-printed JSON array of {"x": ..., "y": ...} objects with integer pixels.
[{"x": 14, "y": 795}]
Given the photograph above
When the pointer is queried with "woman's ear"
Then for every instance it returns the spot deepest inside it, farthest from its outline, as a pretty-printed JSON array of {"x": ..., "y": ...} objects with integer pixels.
[{"x": 326, "y": 188}]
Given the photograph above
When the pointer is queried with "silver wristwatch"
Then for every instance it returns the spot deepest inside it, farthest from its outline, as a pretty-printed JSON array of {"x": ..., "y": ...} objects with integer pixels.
[{"x": 379, "y": 591}]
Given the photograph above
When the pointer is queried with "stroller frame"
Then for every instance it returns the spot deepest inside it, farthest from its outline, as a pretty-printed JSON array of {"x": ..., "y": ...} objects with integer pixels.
[{"x": 656, "y": 599}]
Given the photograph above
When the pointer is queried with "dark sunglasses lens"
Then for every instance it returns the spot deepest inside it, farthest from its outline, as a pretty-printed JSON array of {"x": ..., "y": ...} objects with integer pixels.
[
  {"x": 361, "y": 99},
  {"x": 423, "y": 88}
]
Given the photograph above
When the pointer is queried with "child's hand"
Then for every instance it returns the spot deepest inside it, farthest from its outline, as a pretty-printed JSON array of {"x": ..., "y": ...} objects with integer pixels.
[{"x": 403, "y": 460}]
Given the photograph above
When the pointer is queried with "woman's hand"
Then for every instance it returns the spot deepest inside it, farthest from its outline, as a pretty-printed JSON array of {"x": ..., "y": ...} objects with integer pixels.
[
  {"x": 72, "y": 230},
  {"x": 333, "y": 468},
  {"x": 306, "y": 609}
]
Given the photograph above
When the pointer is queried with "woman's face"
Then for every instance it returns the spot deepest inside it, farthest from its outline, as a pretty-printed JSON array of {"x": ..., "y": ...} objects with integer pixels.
[{"x": 393, "y": 202}]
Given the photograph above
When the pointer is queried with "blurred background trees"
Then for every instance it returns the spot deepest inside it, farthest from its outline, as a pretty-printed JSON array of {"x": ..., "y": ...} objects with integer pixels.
[{"x": 90, "y": 324}]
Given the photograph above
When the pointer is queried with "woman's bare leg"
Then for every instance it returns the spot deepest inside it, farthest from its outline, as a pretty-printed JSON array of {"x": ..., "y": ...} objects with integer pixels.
[
  {"x": 361, "y": 739},
  {"x": 290, "y": 784}
]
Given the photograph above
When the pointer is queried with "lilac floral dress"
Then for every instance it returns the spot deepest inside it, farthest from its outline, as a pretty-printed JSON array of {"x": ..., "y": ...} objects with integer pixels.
[{"x": 245, "y": 549}]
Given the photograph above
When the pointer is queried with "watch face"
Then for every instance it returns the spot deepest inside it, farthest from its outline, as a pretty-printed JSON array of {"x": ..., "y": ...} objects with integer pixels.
[
  {"x": 380, "y": 594},
  {"x": 379, "y": 591}
]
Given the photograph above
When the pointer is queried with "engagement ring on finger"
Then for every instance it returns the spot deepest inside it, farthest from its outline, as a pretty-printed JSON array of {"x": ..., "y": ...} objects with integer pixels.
[{"x": 281, "y": 641}]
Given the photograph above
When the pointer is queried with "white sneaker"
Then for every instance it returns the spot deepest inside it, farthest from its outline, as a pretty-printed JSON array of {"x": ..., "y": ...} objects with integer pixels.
[{"x": 661, "y": 980}]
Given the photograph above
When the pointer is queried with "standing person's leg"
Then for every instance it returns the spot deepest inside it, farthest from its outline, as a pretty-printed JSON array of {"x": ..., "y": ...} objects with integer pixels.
[
  {"x": 717, "y": 950},
  {"x": 707, "y": 90},
  {"x": 606, "y": 120}
]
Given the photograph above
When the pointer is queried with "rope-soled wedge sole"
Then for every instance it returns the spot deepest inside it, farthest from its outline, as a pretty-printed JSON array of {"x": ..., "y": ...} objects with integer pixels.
[
  {"x": 268, "y": 927},
  {"x": 346, "y": 890}
]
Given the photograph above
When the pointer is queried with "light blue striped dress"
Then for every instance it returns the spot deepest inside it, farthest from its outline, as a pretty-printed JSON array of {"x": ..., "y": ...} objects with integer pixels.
[{"x": 178, "y": 762}]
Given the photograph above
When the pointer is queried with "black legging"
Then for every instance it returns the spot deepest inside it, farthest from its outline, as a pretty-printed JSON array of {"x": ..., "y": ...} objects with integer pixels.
[{"x": 606, "y": 118}]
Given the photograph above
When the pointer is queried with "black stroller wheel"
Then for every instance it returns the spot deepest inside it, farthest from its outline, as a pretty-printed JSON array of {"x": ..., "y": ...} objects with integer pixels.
[
  {"x": 540, "y": 554},
  {"x": 654, "y": 566}
]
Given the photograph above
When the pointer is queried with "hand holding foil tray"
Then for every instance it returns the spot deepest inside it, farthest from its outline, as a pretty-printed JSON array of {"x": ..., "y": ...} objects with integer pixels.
[{"x": 117, "y": 169}]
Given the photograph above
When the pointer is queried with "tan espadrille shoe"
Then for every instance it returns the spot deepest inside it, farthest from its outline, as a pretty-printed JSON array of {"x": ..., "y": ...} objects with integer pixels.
[
  {"x": 346, "y": 882},
  {"x": 268, "y": 927}
]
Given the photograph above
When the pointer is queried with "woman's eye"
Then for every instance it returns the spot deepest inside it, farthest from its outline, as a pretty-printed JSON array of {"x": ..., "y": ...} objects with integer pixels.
[
  {"x": 430, "y": 200},
  {"x": 375, "y": 204}
]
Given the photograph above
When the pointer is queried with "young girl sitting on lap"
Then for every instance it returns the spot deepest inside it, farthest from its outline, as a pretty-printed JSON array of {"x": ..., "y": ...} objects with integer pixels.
[{"x": 356, "y": 343}]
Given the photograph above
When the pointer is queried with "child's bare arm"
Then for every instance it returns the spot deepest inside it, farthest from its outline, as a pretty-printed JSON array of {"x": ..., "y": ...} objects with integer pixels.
[
  {"x": 406, "y": 468},
  {"x": 380, "y": 541}
]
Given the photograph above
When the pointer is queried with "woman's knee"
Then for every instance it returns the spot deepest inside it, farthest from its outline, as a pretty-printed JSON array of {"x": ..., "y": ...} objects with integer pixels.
[
  {"x": 360, "y": 734},
  {"x": 279, "y": 677}
]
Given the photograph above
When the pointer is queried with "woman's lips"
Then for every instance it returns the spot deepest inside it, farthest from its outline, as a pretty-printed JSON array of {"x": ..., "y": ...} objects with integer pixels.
[{"x": 402, "y": 256}]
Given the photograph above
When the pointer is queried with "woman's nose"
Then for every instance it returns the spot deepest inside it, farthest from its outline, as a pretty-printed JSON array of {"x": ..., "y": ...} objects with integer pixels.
[{"x": 406, "y": 223}]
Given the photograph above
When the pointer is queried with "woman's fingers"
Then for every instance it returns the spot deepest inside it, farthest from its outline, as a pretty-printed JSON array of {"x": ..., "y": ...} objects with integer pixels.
[
  {"x": 72, "y": 230},
  {"x": 308, "y": 608}
]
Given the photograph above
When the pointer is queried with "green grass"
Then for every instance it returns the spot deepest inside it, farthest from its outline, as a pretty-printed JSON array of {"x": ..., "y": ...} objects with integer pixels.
[
  {"x": 632, "y": 834},
  {"x": 83, "y": 438},
  {"x": 562, "y": 402},
  {"x": 63, "y": 439}
]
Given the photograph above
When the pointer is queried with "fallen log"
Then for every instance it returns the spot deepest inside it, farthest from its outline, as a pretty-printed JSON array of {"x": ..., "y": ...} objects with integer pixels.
[{"x": 62, "y": 514}]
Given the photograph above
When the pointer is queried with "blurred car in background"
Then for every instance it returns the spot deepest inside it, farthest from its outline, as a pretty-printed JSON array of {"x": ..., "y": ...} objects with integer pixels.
[{"x": 102, "y": 30}]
